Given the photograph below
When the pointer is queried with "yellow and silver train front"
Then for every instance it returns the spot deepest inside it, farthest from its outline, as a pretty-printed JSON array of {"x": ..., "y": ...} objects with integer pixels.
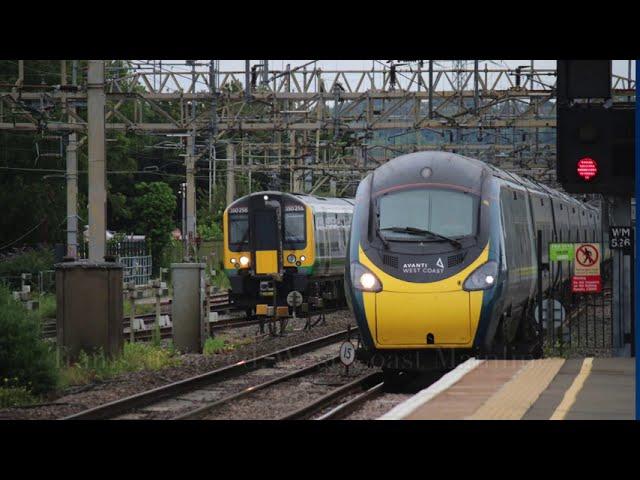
[
  {"x": 268, "y": 246},
  {"x": 423, "y": 274}
]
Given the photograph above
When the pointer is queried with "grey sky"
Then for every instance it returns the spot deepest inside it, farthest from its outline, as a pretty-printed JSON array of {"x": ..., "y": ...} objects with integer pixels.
[{"x": 620, "y": 67}]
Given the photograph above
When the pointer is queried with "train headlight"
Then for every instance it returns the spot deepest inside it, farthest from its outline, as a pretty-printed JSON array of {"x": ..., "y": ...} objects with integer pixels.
[
  {"x": 233, "y": 261},
  {"x": 291, "y": 258},
  {"x": 244, "y": 261},
  {"x": 483, "y": 277},
  {"x": 363, "y": 279},
  {"x": 302, "y": 258}
]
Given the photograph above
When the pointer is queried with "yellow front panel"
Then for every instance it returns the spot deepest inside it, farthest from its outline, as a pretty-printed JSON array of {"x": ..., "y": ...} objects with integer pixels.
[
  {"x": 410, "y": 305},
  {"x": 266, "y": 262},
  {"x": 407, "y": 318}
]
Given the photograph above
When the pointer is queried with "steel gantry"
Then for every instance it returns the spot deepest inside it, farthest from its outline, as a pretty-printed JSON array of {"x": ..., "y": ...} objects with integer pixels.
[{"x": 323, "y": 128}]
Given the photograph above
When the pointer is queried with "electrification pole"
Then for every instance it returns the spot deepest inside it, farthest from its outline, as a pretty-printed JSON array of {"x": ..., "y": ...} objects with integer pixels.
[
  {"x": 72, "y": 176},
  {"x": 231, "y": 182},
  {"x": 97, "y": 161}
]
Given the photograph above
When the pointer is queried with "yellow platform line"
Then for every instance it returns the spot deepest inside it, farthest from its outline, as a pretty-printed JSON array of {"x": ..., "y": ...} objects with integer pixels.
[
  {"x": 571, "y": 394},
  {"x": 516, "y": 396}
]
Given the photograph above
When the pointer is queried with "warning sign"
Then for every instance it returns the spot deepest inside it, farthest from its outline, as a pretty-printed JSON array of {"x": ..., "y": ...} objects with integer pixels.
[
  {"x": 586, "y": 269},
  {"x": 586, "y": 284},
  {"x": 586, "y": 259}
]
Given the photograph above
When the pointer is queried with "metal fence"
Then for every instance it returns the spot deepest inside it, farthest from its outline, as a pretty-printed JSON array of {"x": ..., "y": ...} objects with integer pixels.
[
  {"x": 136, "y": 269},
  {"x": 575, "y": 322}
]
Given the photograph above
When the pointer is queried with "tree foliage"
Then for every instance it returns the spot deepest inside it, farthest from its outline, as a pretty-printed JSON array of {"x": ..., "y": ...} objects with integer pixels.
[
  {"x": 153, "y": 209},
  {"x": 25, "y": 359}
]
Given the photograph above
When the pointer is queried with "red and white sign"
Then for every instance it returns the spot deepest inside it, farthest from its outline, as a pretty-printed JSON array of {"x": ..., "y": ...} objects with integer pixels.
[
  {"x": 586, "y": 259},
  {"x": 586, "y": 284},
  {"x": 586, "y": 268},
  {"x": 587, "y": 168}
]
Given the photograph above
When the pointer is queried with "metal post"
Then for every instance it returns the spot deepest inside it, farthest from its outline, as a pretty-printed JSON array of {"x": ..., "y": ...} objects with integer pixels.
[
  {"x": 132, "y": 313},
  {"x": 72, "y": 181},
  {"x": 156, "y": 325},
  {"x": 247, "y": 80},
  {"x": 190, "y": 161},
  {"x": 231, "y": 182},
  {"x": 97, "y": 161},
  {"x": 621, "y": 314},
  {"x": 476, "y": 99},
  {"x": 213, "y": 125},
  {"x": 539, "y": 285},
  {"x": 183, "y": 195},
  {"x": 430, "y": 88}
]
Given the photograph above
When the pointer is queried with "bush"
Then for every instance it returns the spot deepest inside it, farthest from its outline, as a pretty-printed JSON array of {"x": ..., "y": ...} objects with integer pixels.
[
  {"x": 30, "y": 261},
  {"x": 24, "y": 356}
]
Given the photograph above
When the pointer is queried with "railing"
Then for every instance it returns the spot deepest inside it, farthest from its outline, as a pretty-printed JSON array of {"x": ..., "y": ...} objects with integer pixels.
[{"x": 136, "y": 269}]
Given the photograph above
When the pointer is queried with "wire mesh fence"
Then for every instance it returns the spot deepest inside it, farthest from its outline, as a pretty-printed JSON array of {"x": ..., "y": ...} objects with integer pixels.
[{"x": 577, "y": 310}]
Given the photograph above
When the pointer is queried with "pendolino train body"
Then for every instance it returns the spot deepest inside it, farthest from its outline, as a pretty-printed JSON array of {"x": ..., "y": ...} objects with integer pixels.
[{"x": 442, "y": 258}]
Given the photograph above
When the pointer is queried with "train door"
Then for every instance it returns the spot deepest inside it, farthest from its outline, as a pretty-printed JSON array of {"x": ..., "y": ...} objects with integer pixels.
[{"x": 265, "y": 220}]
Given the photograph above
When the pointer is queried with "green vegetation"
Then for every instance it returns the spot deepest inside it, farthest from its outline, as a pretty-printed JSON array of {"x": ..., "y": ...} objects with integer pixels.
[
  {"x": 27, "y": 362},
  {"x": 47, "y": 307},
  {"x": 141, "y": 308},
  {"x": 15, "y": 396},
  {"x": 30, "y": 261},
  {"x": 220, "y": 279},
  {"x": 215, "y": 345},
  {"x": 154, "y": 207},
  {"x": 209, "y": 225},
  {"x": 135, "y": 357}
]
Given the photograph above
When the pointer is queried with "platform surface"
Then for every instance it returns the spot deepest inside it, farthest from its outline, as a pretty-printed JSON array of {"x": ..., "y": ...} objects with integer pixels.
[{"x": 546, "y": 389}]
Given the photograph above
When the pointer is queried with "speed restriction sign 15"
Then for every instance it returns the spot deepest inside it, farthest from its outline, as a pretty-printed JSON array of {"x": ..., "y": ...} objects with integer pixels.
[{"x": 347, "y": 353}]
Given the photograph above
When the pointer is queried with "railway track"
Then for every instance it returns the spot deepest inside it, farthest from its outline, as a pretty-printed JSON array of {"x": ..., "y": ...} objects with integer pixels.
[
  {"x": 194, "y": 397},
  {"x": 352, "y": 394},
  {"x": 228, "y": 317}
]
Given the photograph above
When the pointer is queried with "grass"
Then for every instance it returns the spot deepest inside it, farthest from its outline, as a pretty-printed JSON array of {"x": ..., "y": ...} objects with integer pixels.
[
  {"x": 215, "y": 345},
  {"x": 47, "y": 308},
  {"x": 16, "y": 396},
  {"x": 135, "y": 357},
  {"x": 141, "y": 308},
  {"x": 220, "y": 279}
]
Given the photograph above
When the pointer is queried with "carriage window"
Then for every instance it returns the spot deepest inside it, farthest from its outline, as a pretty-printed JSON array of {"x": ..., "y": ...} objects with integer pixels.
[
  {"x": 238, "y": 232},
  {"x": 294, "y": 230}
]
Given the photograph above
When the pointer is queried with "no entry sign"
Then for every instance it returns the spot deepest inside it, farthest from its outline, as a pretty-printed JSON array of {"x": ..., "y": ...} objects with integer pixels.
[{"x": 586, "y": 268}]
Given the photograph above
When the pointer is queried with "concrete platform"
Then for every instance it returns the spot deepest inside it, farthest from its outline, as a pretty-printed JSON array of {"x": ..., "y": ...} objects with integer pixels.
[{"x": 546, "y": 389}]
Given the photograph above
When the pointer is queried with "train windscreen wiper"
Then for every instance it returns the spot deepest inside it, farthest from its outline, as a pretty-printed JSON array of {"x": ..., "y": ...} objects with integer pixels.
[{"x": 420, "y": 231}]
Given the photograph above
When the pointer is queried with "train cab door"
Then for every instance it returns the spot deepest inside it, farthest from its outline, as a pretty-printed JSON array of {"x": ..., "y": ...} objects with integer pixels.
[{"x": 265, "y": 220}]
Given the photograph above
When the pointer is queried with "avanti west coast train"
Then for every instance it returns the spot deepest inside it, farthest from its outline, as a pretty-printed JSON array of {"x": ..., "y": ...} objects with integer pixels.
[
  {"x": 276, "y": 242},
  {"x": 442, "y": 259}
]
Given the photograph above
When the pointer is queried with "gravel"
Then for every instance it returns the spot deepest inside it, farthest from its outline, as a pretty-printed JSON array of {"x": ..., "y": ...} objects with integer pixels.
[
  {"x": 284, "y": 398},
  {"x": 249, "y": 344}
]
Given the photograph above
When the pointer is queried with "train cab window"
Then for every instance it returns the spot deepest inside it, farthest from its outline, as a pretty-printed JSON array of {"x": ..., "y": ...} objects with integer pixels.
[
  {"x": 294, "y": 230},
  {"x": 447, "y": 212},
  {"x": 238, "y": 232},
  {"x": 542, "y": 202},
  {"x": 560, "y": 206}
]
